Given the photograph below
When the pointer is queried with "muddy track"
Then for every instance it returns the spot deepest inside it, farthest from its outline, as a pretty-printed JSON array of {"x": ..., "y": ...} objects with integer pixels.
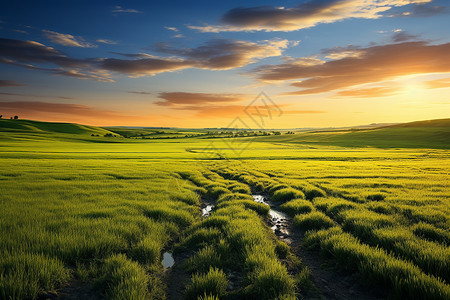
[
  {"x": 73, "y": 291},
  {"x": 176, "y": 277},
  {"x": 329, "y": 283}
]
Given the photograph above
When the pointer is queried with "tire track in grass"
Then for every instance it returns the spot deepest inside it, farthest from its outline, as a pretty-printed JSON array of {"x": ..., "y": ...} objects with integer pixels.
[{"x": 329, "y": 283}]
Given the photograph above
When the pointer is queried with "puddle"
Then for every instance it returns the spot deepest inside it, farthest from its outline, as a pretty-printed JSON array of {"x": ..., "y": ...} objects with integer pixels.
[
  {"x": 278, "y": 219},
  {"x": 168, "y": 260},
  {"x": 206, "y": 211}
]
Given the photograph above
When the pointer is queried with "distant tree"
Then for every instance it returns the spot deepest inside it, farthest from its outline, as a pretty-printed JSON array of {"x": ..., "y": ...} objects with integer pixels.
[
  {"x": 92, "y": 134},
  {"x": 1, "y": 116},
  {"x": 16, "y": 117},
  {"x": 10, "y": 118}
]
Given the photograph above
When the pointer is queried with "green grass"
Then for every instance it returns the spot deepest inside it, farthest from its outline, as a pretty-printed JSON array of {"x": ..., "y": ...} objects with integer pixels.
[
  {"x": 297, "y": 206},
  {"x": 313, "y": 220},
  {"x": 432, "y": 134},
  {"x": 214, "y": 283},
  {"x": 286, "y": 194},
  {"x": 103, "y": 210},
  {"x": 29, "y": 126}
]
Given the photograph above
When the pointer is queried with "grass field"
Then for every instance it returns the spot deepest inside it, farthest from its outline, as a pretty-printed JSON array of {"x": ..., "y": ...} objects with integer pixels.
[{"x": 98, "y": 212}]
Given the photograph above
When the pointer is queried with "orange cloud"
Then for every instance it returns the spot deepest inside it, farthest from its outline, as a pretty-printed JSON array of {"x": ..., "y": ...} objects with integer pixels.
[
  {"x": 369, "y": 92},
  {"x": 77, "y": 113},
  {"x": 372, "y": 64},
  {"x": 173, "y": 98},
  {"x": 230, "y": 111},
  {"x": 438, "y": 83}
]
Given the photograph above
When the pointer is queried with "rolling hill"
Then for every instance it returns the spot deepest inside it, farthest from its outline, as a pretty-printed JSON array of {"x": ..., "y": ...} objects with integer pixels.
[
  {"x": 420, "y": 134},
  {"x": 30, "y": 126}
]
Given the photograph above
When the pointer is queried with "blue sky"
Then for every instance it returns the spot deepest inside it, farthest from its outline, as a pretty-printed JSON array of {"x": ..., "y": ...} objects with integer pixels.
[{"x": 199, "y": 63}]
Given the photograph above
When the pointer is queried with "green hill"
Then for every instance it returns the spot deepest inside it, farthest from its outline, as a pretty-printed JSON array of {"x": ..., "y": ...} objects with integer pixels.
[
  {"x": 422, "y": 134},
  {"x": 28, "y": 126},
  {"x": 426, "y": 123}
]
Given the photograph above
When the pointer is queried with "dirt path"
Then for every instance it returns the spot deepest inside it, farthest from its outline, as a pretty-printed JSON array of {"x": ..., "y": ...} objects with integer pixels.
[
  {"x": 176, "y": 277},
  {"x": 330, "y": 283},
  {"x": 74, "y": 291}
]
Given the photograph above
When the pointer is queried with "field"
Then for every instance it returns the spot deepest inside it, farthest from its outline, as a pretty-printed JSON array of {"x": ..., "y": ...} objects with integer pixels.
[{"x": 86, "y": 211}]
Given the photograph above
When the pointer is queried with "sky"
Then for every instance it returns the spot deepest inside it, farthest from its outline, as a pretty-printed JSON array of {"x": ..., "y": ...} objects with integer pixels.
[{"x": 257, "y": 64}]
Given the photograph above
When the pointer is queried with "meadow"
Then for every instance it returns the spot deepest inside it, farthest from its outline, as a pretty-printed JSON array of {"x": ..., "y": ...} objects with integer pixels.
[{"x": 82, "y": 211}]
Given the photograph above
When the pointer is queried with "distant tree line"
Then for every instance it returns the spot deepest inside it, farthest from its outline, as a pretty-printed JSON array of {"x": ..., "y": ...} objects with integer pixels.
[{"x": 15, "y": 117}]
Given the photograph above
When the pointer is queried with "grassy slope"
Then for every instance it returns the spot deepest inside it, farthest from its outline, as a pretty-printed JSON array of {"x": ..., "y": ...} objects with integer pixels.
[
  {"x": 424, "y": 134},
  {"x": 49, "y": 127}
]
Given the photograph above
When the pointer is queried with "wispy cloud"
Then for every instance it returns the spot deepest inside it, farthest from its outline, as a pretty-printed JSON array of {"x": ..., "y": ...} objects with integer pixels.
[
  {"x": 35, "y": 96},
  {"x": 25, "y": 53},
  {"x": 171, "y": 28},
  {"x": 105, "y": 41},
  {"x": 139, "y": 93},
  {"x": 21, "y": 31},
  {"x": 422, "y": 10},
  {"x": 438, "y": 83},
  {"x": 177, "y": 98},
  {"x": 213, "y": 55},
  {"x": 30, "y": 107},
  {"x": 304, "y": 15},
  {"x": 403, "y": 36},
  {"x": 369, "y": 92},
  {"x": 120, "y": 9},
  {"x": 373, "y": 64},
  {"x": 218, "y": 105},
  {"x": 231, "y": 111},
  {"x": 9, "y": 83},
  {"x": 67, "y": 39}
]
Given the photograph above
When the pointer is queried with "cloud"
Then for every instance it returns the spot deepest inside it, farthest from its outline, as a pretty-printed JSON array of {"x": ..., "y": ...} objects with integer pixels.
[
  {"x": 25, "y": 53},
  {"x": 374, "y": 64},
  {"x": 120, "y": 9},
  {"x": 66, "y": 39},
  {"x": 402, "y": 36},
  {"x": 368, "y": 92},
  {"x": 230, "y": 111},
  {"x": 34, "y": 96},
  {"x": 213, "y": 55},
  {"x": 105, "y": 41},
  {"x": 438, "y": 83},
  {"x": 222, "y": 54},
  {"x": 9, "y": 83},
  {"x": 139, "y": 93},
  {"x": 21, "y": 31},
  {"x": 171, "y": 28},
  {"x": 144, "y": 66},
  {"x": 177, "y": 98},
  {"x": 219, "y": 105},
  {"x": 304, "y": 15},
  {"x": 423, "y": 10},
  {"x": 33, "y": 107}
]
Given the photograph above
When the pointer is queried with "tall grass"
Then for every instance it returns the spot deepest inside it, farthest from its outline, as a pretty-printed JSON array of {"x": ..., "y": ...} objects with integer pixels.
[
  {"x": 404, "y": 278},
  {"x": 213, "y": 283},
  {"x": 286, "y": 194}
]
